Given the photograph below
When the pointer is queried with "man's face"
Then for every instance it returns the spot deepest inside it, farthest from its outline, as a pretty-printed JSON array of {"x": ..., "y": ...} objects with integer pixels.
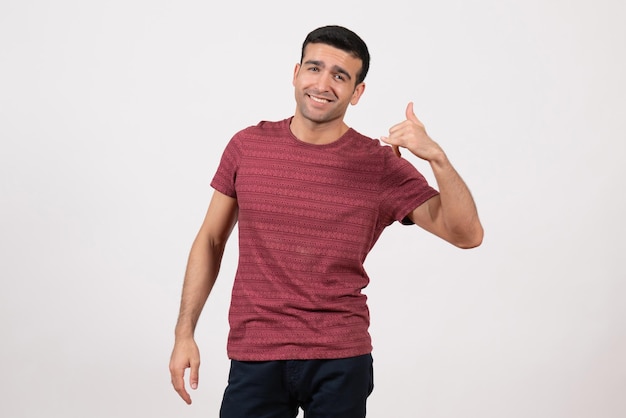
[{"x": 325, "y": 83}]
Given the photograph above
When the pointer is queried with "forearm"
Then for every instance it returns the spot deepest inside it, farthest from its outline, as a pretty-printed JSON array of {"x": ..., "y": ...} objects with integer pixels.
[
  {"x": 458, "y": 209},
  {"x": 202, "y": 270}
]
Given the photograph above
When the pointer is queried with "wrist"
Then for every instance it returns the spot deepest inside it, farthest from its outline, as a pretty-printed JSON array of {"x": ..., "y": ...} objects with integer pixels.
[
  {"x": 437, "y": 157},
  {"x": 183, "y": 332}
]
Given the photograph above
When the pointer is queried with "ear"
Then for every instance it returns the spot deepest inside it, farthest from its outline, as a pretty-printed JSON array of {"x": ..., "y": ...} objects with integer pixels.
[
  {"x": 295, "y": 74},
  {"x": 358, "y": 91}
]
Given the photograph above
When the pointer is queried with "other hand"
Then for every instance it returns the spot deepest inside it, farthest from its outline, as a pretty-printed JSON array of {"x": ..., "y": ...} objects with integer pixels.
[{"x": 185, "y": 356}]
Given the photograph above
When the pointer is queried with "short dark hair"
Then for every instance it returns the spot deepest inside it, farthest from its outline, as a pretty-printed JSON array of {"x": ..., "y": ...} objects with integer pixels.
[{"x": 344, "y": 39}]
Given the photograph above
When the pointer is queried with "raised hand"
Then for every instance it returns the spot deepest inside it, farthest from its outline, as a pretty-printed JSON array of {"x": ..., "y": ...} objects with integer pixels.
[{"x": 411, "y": 134}]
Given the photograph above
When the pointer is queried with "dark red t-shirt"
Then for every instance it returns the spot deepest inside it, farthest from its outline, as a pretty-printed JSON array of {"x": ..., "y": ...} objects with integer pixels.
[{"x": 308, "y": 216}]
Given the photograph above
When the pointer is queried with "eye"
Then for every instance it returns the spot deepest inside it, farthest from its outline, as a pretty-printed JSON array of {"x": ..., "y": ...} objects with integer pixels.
[
  {"x": 314, "y": 69},
  {"x": 339, "y": 77}
]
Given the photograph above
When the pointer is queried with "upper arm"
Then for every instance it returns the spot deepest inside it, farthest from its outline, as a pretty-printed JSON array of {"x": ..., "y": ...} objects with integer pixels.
[
  {"x": 428, "y": 216},
  {"x": 220, "y": 219}
]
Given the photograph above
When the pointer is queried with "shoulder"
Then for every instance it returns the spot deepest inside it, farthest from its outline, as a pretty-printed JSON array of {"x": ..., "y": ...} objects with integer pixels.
[
  {"x": 362, "y": 143},
  {"x": 264, "y": 128},
  {"x": 263, "y": 132},
  {"x": 381, "y": 156}
]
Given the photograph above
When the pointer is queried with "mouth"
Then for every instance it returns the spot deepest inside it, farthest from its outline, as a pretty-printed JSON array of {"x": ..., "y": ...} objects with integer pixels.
[{"x": 318, "y": 99}]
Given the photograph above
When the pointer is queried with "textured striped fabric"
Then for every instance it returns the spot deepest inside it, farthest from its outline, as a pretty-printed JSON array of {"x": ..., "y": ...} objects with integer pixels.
[{"x": 308, "y": 216}]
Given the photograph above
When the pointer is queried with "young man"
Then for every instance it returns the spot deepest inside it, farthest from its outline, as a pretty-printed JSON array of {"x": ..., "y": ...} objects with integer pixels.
[{"x": 311, "y": 197}]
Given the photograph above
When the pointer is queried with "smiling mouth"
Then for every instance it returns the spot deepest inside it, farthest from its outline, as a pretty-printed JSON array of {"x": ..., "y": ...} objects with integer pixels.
[{"x": 319, "y": 99}]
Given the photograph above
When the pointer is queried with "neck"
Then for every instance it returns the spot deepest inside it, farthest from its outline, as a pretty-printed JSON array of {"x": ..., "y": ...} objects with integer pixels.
[{"x": 317, "y": 133}]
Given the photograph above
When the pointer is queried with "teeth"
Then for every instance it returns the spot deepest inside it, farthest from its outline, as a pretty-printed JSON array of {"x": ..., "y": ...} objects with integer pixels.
[{"x": 318, "y": 100}]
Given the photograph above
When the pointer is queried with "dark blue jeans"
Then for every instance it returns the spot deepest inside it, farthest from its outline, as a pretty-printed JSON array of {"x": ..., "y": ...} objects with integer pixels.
[{"x": 276, "y": 389}]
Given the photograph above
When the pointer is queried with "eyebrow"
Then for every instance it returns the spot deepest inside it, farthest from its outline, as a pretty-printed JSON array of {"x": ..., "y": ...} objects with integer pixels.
[{"x": 336, "y": 68}]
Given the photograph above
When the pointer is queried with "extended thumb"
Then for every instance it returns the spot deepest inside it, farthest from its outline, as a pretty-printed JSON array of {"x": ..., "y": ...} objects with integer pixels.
[{"x": 410, "y": 115}]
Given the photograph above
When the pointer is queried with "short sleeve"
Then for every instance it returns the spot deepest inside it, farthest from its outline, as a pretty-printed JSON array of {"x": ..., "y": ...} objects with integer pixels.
[
  {"x": 226, "y": 174},
  {"x": 403, "y": 189}
]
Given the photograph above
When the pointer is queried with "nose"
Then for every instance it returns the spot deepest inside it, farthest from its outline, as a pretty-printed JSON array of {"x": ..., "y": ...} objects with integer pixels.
[{"x": 323, "y": 81}]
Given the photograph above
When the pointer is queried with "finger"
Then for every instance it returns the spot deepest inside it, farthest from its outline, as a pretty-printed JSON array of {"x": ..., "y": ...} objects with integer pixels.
[
  {"x": 194, "y": 374},
  {"x": 394, "y": 147},
  {"x": 410, "y": 114},
  {"x": 396, "y": 128},
  {"x": 385, "y": 139},
  {"x": 178, "y": 381}
]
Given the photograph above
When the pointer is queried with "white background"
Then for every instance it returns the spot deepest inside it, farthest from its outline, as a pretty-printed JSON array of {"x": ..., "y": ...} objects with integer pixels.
[{"x": 113, "y": 116}]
